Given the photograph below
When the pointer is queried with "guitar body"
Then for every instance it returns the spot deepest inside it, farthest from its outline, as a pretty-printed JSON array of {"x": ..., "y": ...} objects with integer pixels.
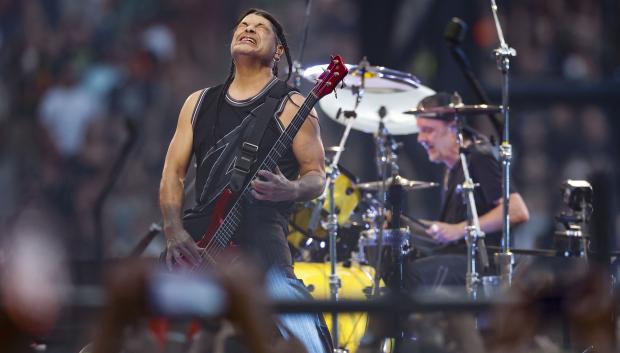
[{"x": 223, "y": 204}]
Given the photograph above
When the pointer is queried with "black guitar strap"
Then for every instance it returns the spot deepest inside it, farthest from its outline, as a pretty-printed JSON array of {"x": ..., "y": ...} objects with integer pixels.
[{"x": 253, "y": 134}]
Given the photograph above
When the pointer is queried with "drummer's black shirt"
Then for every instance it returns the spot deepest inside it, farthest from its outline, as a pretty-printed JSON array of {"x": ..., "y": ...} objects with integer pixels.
[{"x": 485, "y": 170}]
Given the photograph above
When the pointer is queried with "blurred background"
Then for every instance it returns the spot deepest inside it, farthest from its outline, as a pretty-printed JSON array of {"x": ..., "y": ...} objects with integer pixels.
[{"x": 85, "y": 81}]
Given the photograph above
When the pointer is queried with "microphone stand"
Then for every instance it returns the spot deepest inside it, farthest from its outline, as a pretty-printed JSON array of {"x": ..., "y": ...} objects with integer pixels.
[
  {"x": 475, "y": 236},
  {"x": 454, "y": 34},
  {"x": 505, "y": 259}
]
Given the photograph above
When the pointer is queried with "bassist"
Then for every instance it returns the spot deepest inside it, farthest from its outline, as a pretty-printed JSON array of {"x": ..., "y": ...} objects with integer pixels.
[{"x": 213, "y": 125}]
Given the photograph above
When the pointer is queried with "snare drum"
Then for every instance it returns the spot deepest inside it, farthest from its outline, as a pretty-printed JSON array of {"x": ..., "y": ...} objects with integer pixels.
[{"x": 395, "y": 244}]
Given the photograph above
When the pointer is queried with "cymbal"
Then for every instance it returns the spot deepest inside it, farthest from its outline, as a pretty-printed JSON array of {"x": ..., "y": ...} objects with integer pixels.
[
  {"x": 395, "y": 90},
  {"x": 460, "y": 109},
  {"x": 405, "y": 183}
]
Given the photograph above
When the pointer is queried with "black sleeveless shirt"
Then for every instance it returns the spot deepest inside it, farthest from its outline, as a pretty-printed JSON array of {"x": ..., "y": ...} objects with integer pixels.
[{"x": 218, "y": 126}]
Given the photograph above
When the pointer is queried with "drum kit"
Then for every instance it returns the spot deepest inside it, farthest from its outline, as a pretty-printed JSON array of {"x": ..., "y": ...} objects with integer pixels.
[
  {"x": 349, "y": 228},
  {"x": 352, "y": 218}
]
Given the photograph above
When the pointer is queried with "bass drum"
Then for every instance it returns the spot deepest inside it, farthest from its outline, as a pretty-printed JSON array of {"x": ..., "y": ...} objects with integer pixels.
[{"x": 356, "y": 284}]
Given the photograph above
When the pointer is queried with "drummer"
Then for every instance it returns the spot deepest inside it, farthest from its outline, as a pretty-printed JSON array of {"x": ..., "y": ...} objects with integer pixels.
[{"x": 438, "y": 136}]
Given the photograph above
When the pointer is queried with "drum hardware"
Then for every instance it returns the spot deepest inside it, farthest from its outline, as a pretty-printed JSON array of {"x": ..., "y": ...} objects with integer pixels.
[
  {"x": 474, "y": 236},
  {"x": 332, "y": 227},
  {"x": 396, "y": 246},
  {"x": 332, "y": 222},
  {"x": 382, "y": 160},
  {"x": 505, "y": 259}
]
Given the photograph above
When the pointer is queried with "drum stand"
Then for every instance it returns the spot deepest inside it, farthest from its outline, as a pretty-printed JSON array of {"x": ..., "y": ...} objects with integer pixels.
[
  {"x": 474, "y": 237},
  {"x": 387, "y": 155},
  {"x": 332, "y": 230},
  {"x": 505, "y": 259},
  {"x": 332, "y": 220},
  {"x": 382, "y": 162}
]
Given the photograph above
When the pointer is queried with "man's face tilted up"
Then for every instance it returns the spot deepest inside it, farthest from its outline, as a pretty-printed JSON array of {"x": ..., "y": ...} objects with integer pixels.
[{"x": 254, "y": 36}]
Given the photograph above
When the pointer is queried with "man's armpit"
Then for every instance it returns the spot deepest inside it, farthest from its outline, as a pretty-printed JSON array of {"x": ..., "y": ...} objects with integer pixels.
[{"x": 299, "y": 106}]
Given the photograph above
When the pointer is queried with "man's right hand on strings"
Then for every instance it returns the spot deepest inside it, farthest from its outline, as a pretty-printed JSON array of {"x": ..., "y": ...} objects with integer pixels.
[{"x": 181, "y": 248}]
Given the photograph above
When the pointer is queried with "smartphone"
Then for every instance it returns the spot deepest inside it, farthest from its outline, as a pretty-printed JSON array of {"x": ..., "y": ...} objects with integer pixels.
[{"x": 175, "y": 294}]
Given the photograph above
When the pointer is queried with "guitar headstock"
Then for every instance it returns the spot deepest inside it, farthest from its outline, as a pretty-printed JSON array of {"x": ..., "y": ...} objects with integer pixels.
[{"x": 329, "y": 79}]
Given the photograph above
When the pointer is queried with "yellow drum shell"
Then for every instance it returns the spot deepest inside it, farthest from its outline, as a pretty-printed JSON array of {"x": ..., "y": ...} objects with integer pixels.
[
  {"x": 356, "y": 281},
  {"x": 346, "y": 197}
]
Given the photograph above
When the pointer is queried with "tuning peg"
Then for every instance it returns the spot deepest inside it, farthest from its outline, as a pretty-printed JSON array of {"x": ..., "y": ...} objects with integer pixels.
[{"x": 336, "y": 94}]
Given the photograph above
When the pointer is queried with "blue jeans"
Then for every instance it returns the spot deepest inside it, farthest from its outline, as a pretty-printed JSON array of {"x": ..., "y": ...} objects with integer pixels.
[{"x": 310, "y": 329}]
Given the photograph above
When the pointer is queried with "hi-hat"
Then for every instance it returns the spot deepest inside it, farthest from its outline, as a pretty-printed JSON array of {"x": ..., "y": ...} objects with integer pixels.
[
  {"x": 460, "y": 109},
  {"x": 395, "y": 90},
  {"x": 406, "y": 184}
]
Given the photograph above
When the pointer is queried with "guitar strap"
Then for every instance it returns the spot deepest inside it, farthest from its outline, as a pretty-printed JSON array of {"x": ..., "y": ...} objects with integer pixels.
[{"x": 253, "y": 134}]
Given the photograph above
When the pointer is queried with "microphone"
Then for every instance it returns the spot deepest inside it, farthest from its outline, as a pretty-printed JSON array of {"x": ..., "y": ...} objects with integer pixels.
[
  {"x": 455, "y": 31},
  {"x": 454, "y": 34}
]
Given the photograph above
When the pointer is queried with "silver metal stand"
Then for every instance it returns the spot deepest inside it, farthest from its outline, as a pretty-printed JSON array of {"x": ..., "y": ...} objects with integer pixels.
[
  {"x": 332, "y": 228},
  {"x": 382, "y": 159},
  {"x": 332, "y": 220},
  {"x": 475, "y": 236},
  {"x": 505, "y": 259}
]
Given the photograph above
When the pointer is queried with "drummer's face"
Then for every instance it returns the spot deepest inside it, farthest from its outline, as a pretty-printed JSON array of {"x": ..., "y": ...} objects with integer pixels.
[{"x": 438, "y": 139}]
